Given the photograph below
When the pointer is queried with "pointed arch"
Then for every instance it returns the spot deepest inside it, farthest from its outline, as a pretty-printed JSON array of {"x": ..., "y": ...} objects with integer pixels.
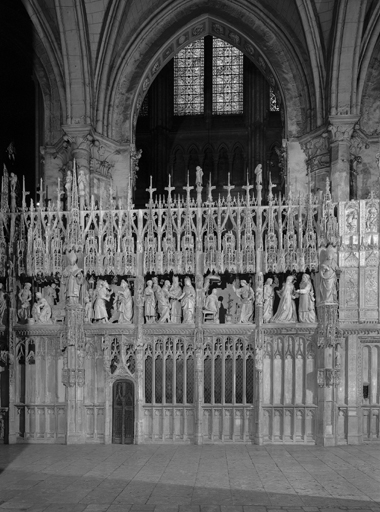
[{"x": 250, "y": 27}]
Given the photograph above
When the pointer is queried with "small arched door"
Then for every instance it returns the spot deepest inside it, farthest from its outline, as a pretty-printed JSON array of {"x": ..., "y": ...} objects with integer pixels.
[{"x": 123, "y": 412}]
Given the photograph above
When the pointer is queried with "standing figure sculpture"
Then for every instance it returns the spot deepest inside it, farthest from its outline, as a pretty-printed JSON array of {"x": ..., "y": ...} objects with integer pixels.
[
  {"x": 41, "y": 311},
  {"x": 175, "y": 291},
  {"x": 82, "y": 188},
  {"x": 286, "y": 311},
  {"x": 327, "y": 285},
  {"x": 306, "y": 308},
  {"x": 89, "y": 306},
  {"x": 72, "y": 279},
  {"x": 268, "y": 299},
  {"x": 102, "y": 296},
  {"x": 188, "y": 302},
  {"x": 247, "y": 297},
  {"x": 25, "y": 297},
  {"x": 163, "y": 303},
  {"x": 149, "y": 303},
  {"x": 124, "y": 303}
]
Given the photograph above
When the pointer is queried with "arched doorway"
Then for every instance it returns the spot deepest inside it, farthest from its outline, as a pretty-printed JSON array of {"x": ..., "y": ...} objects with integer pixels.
[{"x": 123, "y": 412}]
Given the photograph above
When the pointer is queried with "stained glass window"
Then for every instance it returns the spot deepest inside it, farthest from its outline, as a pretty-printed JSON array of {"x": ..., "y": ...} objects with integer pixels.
[
  {"x": 227, "y": 78},
  {"x": 273, "y": 102},
  {"x": 225, "y": 64},
  {"x": 189, "y": 80}
]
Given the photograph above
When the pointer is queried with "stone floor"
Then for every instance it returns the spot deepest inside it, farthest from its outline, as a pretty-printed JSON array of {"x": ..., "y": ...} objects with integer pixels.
[{"x": 244, "y": 478}]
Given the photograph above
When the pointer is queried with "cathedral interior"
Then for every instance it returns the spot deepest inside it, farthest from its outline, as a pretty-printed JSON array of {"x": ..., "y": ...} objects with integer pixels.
[{"x": 189, "y": 222}]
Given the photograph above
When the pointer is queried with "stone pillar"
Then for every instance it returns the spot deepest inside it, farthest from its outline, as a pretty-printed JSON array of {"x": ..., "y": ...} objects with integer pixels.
[
  {"x": 198, "y": 338},
  {"x": 341, "y": 128},
  {"x": 259, "y": 352},
  {"x": 73, "y": 374},
  {"x": 328, "y": 374},
  {"x": 354, "y": 415},
  {"x": 297, "y": 179},
  {"x": 198, "y": 386},
  {"x": 139, "y": 391}
]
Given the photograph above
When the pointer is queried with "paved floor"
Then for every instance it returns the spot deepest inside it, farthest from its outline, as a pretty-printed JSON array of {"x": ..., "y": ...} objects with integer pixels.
[{"x": 244, "y": 478}]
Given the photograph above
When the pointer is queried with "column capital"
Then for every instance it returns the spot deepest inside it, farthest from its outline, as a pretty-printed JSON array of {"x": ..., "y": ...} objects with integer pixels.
[{"x": 341, "y": 127}]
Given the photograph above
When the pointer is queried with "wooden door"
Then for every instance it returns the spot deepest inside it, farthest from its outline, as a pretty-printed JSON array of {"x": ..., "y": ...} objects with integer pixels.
[{"x": 123, "y": 412}]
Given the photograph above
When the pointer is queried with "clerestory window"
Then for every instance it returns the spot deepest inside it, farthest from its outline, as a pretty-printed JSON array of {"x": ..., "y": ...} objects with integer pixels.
[{"x": 208, "y": 76}]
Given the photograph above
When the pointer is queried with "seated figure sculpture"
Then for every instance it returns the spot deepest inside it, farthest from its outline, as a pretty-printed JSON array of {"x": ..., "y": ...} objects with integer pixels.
[
  {"x": 211, "y": 307},
  {"x": 41, "y": 311}
]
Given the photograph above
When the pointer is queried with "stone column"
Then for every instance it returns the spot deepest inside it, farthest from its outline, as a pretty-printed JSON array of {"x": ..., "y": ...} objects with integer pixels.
[
  {"x": 139, "y": 391},
  {"x": 259, "y": 350},
  {"x": 354, "y": 415},
  {"x": 198, "y": 386},
  {"x": 328, "y": 375},
  {"x": 73, "y": 375},
  {"x": 341, "y": 128}
]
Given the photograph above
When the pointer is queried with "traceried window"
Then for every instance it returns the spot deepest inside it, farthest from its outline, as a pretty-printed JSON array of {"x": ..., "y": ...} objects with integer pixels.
[
  {"x": 223, "y": 64},
  {"x": 227, "y": 78},
  {"x": 189, "y": 80}
]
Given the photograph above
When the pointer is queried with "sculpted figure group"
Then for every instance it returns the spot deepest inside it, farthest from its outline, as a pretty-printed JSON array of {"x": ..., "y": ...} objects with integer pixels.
[
  {"x": 169, "y": 303},
  {"x": 286, "y": 311}
]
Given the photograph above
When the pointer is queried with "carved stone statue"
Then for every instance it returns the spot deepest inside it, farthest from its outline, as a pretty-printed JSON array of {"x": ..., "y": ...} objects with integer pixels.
[
  {"x": 212, "y": 305},
  {"x": 3, "y": 303},
  {"x": 69, "y": 182},
  {"x": 327, "y": 283},
  {"x": 89, "y": 306},
  {"x": 41, "y": 311},
  {"x": 286, "y": 311},
  {"x": 25, "y": 297},
  {"x": 50, "y": 294},
  {"x": 103, "y": 294},
  {"x": 82, "y": 188},
  {"x": 73, "y": 279},
  {"x": 328, "y": 277},
  {"x": 163, "y": 303},
  {"x": 124, "y": 303},
  {"x": 306, "y": 308},
  {"x": 175, "y": 291},
  {"x": 199, "y": 176},
  {"x": 247, "y": 297},
  {"x": 188, "y": 302},
  {"x": 149, "y": 303},
  {"x": 268, "y": 299}
]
